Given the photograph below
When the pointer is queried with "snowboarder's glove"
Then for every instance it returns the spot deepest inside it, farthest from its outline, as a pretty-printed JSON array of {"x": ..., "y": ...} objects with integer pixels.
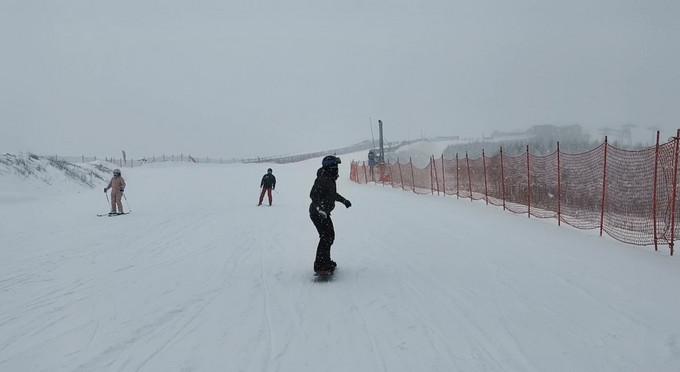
[
  {"x": 323, "y": 214},
  {"x": 105, "y": 190},
  {"x": 121, "y": 190},
  {"x": 347, "y": 203}
]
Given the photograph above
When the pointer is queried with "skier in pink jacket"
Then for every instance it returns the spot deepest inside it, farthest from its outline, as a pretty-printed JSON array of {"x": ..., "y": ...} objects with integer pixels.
[{"x": 117, "y": 186}]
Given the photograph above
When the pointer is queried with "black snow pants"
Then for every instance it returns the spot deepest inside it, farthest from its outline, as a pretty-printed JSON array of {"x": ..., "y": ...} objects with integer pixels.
[{"x": 326, "y": 237}]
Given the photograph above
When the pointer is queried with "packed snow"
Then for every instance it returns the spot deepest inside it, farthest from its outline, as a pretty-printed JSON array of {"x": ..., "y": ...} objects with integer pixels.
[{"x": 198, "y": 278}]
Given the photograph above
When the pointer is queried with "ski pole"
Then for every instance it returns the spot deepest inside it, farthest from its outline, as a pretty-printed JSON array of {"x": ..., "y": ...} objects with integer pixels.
[{"x": 127, "y": 202}]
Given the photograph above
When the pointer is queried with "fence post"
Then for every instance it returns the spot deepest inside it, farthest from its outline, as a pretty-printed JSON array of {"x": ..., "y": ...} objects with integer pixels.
[
  {"x": 675, "y": 187},
  {"x": 413, "y": 178},
  {"x": 559, "y": 187},
  {"x": 502, "y": 177},
  {"x": 436, "y": 176},
  {"x": 604, "y": 185},
  {"x": 431, "y": 166},
  {"x": 486, "y": 187},
  {"x": 443, "y": 176},
  {"x": 528, "y": 185},
  {"x": 467, "y": 161},
  {"x": 401, "y": 178},
  {"x": 457, "y": 178},
  {"x": 654, "y": 195}
]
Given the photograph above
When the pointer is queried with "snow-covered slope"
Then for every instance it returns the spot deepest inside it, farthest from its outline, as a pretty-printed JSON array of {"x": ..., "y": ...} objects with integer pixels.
[
  {"x": 420, "y": 152},
  {"x": 28, "y": 176},
  {"x": 198, "y": 278}
]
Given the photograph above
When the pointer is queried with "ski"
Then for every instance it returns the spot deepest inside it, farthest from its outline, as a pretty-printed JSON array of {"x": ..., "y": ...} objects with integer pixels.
[{"x": 113, "y": 214}]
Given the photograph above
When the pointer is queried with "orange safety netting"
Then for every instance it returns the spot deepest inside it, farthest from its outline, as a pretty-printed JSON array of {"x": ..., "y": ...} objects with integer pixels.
[{"x": 630, "y": 195}]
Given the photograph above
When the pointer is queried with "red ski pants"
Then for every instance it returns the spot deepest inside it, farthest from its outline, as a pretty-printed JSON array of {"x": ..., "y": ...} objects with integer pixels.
[{"x": 269, "y": 195}]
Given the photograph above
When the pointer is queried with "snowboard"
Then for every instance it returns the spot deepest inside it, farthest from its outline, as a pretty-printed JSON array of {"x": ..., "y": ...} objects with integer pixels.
[{"x": 323, "y": 276}]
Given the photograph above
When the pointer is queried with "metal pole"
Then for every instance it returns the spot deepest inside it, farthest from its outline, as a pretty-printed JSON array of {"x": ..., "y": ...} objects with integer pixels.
[
  {"x": 467, "y": 161},
  {"x": 443, "y": 176},
  {"x": 604, "y": 186},
  {"x": 675, "y": 188},
  {"x": 528, "y": 185},
  {"x": 502, "y": 177},
  {"x": 654, "y": 195},
  {"x": 559, "y": 187},
  {"x": 486, "y": 187}
]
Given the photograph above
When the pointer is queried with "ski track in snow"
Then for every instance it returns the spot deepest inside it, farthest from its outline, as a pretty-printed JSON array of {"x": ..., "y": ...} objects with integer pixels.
[{"x": 200, "y": 279}]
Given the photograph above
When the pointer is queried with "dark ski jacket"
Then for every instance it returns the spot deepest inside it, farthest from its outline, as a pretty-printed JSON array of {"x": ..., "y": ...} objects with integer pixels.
[
  {"x": 268, "y": 181},
  {"x": 323, "y": 193}
]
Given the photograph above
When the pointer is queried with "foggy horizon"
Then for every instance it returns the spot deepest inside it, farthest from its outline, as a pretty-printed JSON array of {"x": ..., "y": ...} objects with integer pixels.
[{"x": 230, "y": 79}]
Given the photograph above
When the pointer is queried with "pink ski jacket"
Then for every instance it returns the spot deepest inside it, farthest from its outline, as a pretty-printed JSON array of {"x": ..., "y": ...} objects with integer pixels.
[{"x": 117, "y": 184}]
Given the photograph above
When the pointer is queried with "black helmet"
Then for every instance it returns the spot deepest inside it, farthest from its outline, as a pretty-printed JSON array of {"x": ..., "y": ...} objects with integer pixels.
[
  {"x": 330, "y": 161},
  {"x": 116, "y": 171},
  {"x": 269, "y": 170}
]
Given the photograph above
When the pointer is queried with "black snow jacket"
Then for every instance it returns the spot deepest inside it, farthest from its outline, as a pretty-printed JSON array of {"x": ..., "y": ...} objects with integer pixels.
[
  {"x": 268, "y": 181},
  {"x": 323, "y": 193}
]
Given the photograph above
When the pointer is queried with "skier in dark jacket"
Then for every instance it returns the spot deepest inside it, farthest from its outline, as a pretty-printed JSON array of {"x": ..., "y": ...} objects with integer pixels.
[
  {"x": 267, "y": 184},
  {"x": 324, "y": 196}
]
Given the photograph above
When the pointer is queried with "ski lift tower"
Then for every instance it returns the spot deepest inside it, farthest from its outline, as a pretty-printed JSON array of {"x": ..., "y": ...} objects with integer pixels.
[
  {"x": 376, "y": 160},
  {"x": 377, "y": 156}
]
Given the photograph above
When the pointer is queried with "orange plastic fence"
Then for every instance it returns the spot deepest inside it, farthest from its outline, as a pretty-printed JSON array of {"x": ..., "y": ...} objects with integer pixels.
[{"x": 630, "y": 195}]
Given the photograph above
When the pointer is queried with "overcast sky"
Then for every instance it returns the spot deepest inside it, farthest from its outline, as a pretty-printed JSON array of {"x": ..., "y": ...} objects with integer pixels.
[{"x": 247, "y": 78}]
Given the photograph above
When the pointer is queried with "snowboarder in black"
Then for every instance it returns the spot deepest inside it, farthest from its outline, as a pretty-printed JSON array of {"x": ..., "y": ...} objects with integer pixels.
[
  {"x": 267, "y": 184},
  {"x": 324, "y": 196}
]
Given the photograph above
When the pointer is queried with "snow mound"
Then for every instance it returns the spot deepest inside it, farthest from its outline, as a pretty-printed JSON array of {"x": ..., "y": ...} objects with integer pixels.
[{"x": 23, "y": 174}]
